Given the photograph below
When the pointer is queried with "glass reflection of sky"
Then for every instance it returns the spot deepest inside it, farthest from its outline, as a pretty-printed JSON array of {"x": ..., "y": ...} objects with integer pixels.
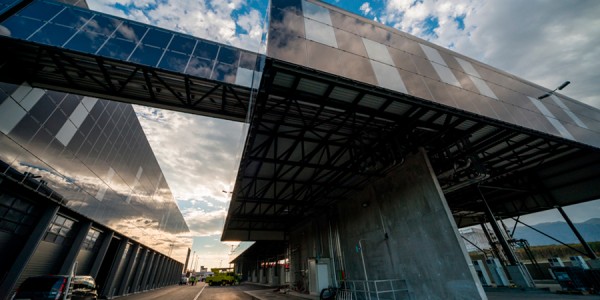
[
  {"x": 354, "y": 48},
  {"x": 107, "y": 172},
  {"x": 82, "y": 30}
]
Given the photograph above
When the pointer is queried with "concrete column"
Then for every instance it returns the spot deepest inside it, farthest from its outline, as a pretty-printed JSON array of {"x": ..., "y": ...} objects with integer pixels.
[
  {"x": 69, "y": 260},
  {"x": 18, "y": 265},
  {"x": 110, "y": 281},
  {"x": 139, "y": 271},
  {"x": 106, "y": 239},
  {"x": 586, "y": 246},
  {"x": 155, "y": 269},
  {"x": 129, "y": 269},
  {"x": 402, "y": 228},
  {"x": 163, "y": 271},
  {"x": 148, "y": 270}
]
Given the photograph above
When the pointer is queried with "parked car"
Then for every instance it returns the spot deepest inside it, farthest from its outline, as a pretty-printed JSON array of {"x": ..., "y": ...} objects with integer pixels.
[{"x": 56, "y": 286}]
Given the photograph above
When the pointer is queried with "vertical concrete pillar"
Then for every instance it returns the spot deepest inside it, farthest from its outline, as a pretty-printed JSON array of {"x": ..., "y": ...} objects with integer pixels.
[
  {"x": 18, "y": 265},
  {"x": 112, "y": 276},
  {"x": 148, "y": 270},
  {"x": 139, "y": 271},
  {"x": 106, "y": 239},
  {"x": 71, "y": 256},
  {"x": 156, "y": 269},
  {"x": 129, "y": 269},
  {"x": 402, "y": 228}
]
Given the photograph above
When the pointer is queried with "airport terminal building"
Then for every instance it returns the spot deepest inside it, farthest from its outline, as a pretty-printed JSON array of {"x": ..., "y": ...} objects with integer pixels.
[
  {"x": 80, "y": 183},
  {"x": 367, "y": 147}
]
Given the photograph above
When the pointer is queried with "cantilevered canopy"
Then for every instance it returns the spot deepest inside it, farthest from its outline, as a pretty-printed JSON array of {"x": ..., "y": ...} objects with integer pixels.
[{"x": 317, "y": 138}]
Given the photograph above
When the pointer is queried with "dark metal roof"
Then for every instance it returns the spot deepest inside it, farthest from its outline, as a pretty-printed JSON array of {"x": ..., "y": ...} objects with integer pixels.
[{"x": 315, "y": 138}]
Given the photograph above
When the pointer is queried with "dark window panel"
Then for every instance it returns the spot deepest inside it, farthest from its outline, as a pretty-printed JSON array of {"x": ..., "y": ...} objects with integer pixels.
[
  {"x": 40, "y": 10},
  {"x": 72, "y": 17},
  {"x": 146, "y": 55},
  {"x": 324, "y": 58},
  {"x": 54, "y": 35},
  {"x": 463, "y": 99},
  {"x": 350, "y": 42},
  {"x": 425, "y": 68},
  {"x": 131, "y": 31},
  {"x": 440, "y": 92},
  {"x": 20, "y": 27},
  {"x": 402, "y": 60},
  {"x": 25, "y": 130},
  {"x": 174, "y": 61},
  {"x": 182, "y": 44},
  {"x": 117, "y": 48},
  {"x": 292, "y": 5},
  {"x": 415, "y": 85},
  {"x": 86, "y": 41},
  {"x": 157, "y": 37},
  {"x": 102, "y": 24},
  {"x": 40, "y": 141},
  {"x": 200, "y": 67},
  {"x": 224, "y": 72},
  {"x": 69, "y": 103},
  {"x": 288, "y": 22},
  {"x": 405, "y": 44},
  {"x": 287, "y": 48},
  {"x": 207, "y": 50},
  {"x": 55, "y": 121},
  {"x": 248, "y": 60},
  {"x": 7, "y": 88},
  {"x": 76, "y": 142},
  {"x": 42, "y": 109},
  {"x": 228, "y": 56},
  {"x": 359, "y": 69}
]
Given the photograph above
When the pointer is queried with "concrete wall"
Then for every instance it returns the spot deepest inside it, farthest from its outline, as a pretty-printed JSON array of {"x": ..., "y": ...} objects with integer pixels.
[{"x": 407, "y": 232}]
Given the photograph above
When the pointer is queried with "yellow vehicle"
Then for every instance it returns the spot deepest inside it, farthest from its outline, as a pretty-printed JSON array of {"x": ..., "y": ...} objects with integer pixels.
[{"x": 222, "y": 277}]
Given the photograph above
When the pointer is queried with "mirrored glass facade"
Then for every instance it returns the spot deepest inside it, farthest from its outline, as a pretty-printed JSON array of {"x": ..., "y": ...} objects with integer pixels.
[
  {"x": 95, "y": 154},
  {"x": 55, "y": 24},
  {"x": 322, "y": 37}
]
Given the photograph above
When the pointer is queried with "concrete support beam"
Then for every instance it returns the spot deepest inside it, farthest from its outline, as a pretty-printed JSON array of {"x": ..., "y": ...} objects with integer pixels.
[
  {"x": 18, "y": 265},
  {"x": 139, "y": 271},
  {"x": 69, "y": 260},
  {"x": 129, "y": 269},
  {"x": 106, "y": 239},
  {"x": 112, "y": 276},
  {"x": 405, "y": 230}
]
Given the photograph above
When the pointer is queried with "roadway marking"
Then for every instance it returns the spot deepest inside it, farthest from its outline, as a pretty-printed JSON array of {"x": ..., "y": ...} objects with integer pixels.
[{"x": 198, "y": 295}]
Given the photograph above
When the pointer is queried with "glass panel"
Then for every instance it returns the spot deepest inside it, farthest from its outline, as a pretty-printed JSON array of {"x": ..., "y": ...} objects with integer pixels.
[
  {"x": 291, "y": 5},
  {"x": 54, "y": 35},
  {"x": 157, "y": 37},
  {"x": 425, "y": 68},
  {"x": 72, "y": 18},
  {"x": 388, "y": 77},
  {"x": 131, "y": 31},
  {"x": 40, "y": 10},
  {"x": 323, "y": 58},
  {"x": 415, "y": 85},
  {"x": 440, "y": 92},
  {"x": 316, "y": 12},
  {"x": 200, "y": 67},
  {"x": 378, "y": 52},
  {"x": 360, "y": 69},
  {"x": 146, "y": 55},
  {"x": 228, "y": 56},
  {"x": 174, "y": 61},
  {"x": 320, "y": 32},
  {"x": 182, "y": 44},
  {"x": 287, "y": 48},
  {"x": 19, "y": 27},
  {"x": 248, "y": 60},
  {"x": 350, "y": 42},
  {"x": 224, "y": 72},
  {"x": 86, "y": 41},
  {"x": 402, "y": 60},
  {"x": 206, "y": 50},
  {"x": 117, "y": 48},
  {"x": 102, "y": 24}
]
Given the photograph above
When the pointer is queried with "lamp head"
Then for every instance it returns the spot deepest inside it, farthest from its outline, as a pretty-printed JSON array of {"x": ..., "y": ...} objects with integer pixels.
[{"x": 562, "y": 86}]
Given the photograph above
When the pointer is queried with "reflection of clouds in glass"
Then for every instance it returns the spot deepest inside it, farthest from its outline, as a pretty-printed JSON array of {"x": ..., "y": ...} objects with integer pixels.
[
  {"x": 4, "y": 31},
  {"x": 128, "y": 32},
  {"x": 147, "y": 232}
]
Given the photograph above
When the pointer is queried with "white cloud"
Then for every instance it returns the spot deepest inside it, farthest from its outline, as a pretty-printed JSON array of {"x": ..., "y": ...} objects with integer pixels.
[{"x": 366, "y": 8}]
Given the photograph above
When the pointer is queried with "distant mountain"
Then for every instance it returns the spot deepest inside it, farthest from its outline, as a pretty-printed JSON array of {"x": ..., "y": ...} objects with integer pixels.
[{"x": 590, "y": 230}]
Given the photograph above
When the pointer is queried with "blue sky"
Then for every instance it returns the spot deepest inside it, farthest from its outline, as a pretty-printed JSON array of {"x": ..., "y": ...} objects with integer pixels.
[{"x": 546, "y": 42}]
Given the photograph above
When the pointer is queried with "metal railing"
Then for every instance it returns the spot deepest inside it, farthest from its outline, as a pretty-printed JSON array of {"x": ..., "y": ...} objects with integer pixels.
[{"x": 389, "y": 289}]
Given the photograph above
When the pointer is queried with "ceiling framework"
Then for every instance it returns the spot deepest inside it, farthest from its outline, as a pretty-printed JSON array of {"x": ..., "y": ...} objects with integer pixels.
[{"x": 315, "y": 139}]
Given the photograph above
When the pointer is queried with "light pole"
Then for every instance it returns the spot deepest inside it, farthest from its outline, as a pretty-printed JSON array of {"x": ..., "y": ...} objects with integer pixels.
[{"x": 562, "y": 86}]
